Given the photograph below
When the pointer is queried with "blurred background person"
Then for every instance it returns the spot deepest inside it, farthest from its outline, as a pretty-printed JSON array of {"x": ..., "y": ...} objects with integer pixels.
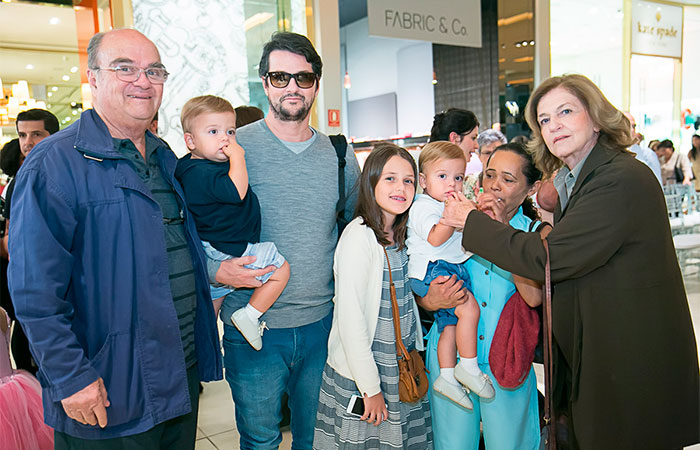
[
  {"x": 675, "y": 166},
  {"x": 247, "y": 114},
  {"x": 461, "y": 127},
  {"x": 642, "y": 153},
  {"x": 694, "y": 157}
]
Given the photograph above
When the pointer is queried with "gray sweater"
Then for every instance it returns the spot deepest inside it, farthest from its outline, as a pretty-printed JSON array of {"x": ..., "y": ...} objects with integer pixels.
[{"x": 298, "y": 194}]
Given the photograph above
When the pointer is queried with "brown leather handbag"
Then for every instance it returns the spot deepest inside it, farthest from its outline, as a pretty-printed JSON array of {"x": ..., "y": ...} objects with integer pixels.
[{"x": 413, "y": 382}]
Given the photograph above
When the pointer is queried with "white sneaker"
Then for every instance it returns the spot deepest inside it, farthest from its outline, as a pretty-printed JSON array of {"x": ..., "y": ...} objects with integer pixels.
[
  {"x": 252, "y": 330},
  {"x": 479, "y": 384},
  {"x": 453, "y": 392}
]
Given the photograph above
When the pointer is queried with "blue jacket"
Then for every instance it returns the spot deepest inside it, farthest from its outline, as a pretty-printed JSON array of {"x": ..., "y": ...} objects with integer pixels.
[{"x": 89, "y": 280}]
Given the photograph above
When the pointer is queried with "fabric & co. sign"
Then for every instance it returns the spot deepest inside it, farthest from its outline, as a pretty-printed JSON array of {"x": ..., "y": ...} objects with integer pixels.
[{"x": 451, "y": 22}]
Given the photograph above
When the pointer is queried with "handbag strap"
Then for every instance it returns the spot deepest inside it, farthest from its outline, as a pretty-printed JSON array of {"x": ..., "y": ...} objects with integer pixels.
[
  {"x": 401, "y": 351},
  {"x": 548, "y": 366}
]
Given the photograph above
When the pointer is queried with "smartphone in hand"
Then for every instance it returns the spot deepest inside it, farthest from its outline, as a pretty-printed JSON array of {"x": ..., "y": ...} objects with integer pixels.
[{"x": 356, "y": 406}]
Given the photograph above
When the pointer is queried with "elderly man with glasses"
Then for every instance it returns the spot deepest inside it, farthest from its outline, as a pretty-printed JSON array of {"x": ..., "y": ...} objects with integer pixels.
[{"x": 107, "y": 272}]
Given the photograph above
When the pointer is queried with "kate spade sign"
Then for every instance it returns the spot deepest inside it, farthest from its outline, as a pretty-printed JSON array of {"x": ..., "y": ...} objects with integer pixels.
[
  {"x": 657, "y": 29},
  {"x": 452, "y": 22}
]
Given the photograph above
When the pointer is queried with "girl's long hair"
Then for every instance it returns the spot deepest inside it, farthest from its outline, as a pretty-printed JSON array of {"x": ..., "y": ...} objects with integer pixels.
[{"x": 367, "y": 206}]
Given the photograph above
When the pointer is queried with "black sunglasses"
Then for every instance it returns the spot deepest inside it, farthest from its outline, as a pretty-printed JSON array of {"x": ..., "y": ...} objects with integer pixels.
[{"x": 304, "y": 80}]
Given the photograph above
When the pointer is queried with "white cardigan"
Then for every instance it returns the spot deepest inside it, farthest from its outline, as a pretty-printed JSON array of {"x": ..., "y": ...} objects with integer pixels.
[{"x": 358, "y": 270}]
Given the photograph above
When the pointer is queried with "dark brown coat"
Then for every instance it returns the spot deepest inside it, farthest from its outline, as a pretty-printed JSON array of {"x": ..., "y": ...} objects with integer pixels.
[{"x": 626, "y": 356}]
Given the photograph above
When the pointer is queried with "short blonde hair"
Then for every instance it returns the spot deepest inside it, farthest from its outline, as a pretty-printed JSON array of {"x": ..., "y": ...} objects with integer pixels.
[
  {"x": 439, "y": 150},
  {"x": 615, "y": 129},
  {"x": 197, "y": 106}
]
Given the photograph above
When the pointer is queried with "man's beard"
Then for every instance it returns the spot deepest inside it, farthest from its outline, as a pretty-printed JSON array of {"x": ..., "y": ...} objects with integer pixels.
[{"x": 286, "y": 115}]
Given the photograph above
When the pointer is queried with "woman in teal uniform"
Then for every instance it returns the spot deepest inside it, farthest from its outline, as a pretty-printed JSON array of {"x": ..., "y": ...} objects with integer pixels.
[{"x": 511, "y": 419}]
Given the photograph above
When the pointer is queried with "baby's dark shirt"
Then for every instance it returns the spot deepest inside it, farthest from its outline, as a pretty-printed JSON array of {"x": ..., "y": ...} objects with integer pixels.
[{"x": 222, "y": 218}]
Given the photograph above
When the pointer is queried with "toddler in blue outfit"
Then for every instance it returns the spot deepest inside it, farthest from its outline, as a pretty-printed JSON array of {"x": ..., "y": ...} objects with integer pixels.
[
  {"x": 434, "y": 250},
  {"x": 226, "y": 211}
]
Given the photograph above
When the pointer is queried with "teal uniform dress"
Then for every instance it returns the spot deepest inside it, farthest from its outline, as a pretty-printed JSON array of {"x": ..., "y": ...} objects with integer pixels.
[{"x": 511, "y": 418}]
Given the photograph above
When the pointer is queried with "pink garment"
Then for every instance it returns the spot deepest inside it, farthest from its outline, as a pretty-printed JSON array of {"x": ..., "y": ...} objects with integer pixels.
[{"x": 21, "y": 412}]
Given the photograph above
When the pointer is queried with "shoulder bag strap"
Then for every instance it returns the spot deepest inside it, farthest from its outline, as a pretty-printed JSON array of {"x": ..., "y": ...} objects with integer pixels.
[
  {"x": 548, "y": 367},
  {"x": 340, "y": 144},
  {"x": 401, "y": 351}
]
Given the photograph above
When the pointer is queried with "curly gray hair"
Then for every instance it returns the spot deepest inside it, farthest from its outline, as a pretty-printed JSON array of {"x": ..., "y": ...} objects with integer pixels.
[{"x": 488, "y": 137}]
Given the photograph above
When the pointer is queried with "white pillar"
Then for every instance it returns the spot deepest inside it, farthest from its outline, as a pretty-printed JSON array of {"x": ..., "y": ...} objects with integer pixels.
[
  {"x": 543, "y": 67},
  {"x": 326, "y": 39}
]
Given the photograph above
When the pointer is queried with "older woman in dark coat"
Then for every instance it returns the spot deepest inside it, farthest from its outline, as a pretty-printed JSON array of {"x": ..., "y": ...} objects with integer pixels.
[{"x": 626, "y": 366}]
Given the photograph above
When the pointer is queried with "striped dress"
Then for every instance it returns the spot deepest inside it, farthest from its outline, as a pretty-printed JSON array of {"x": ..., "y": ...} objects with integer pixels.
[{"x": 409, "y": 425}]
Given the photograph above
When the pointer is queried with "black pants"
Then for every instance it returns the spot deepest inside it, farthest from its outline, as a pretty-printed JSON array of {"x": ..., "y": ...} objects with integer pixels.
[{"x": 177, "y": 434}]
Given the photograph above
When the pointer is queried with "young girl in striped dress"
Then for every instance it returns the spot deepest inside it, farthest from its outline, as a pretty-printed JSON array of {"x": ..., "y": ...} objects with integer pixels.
[{"x": 361, "y": 346}]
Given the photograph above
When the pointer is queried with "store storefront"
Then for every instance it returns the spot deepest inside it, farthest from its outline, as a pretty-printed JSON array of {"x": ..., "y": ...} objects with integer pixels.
[
  {"x": 208, "y": 46},
  {"x": 639, "y": 53}
]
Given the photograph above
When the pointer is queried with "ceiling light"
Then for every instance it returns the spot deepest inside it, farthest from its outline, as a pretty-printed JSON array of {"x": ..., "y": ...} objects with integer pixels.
[
  {"x": 54, "y": 88},
  {"x": 514, "y": 19},
  {"x": 49, "y": 94},
  {"x": 54, "y": 21},
  {"x": 524, "y": 43},
  {"x": 74, "y": 112},
  {"x": 532, "y": 42},
  {"x": 518, "y": 45},
  {"x": 65, "y": 78},
  {"x": 74, "y": 69},
  {"x": 257, "y": 19},
  {"x": 29, "y": 66},
  {"x": 73, "y": 104},
  {"x": 66, "y": 119},
  {"x": 49, "y": 105}
]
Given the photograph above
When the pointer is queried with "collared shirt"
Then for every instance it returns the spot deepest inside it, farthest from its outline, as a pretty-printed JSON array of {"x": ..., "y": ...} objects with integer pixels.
[
  {"x": 565, "y": 181},
  {"x": 648, "y": 157},
  {"x": 181, "y": 271}
]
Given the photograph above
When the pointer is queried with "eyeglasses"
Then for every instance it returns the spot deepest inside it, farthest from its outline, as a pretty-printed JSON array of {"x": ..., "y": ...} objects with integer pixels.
[
  {"x": 304, "y": 80},
  {"x": 129, "y": 73}
]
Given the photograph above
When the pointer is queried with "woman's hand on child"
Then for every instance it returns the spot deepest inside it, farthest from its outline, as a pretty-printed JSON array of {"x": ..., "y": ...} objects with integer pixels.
[
  {"x": 375, "y": 409},
  {"x": 457, "y": 208}
]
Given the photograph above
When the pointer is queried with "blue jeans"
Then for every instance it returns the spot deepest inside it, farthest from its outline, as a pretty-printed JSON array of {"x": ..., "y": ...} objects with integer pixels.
[{"x": 291, "y": 361}]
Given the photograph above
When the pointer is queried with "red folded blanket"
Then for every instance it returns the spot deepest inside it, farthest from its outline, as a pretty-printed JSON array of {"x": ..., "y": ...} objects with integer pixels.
[{"x": 514, "y": 342}]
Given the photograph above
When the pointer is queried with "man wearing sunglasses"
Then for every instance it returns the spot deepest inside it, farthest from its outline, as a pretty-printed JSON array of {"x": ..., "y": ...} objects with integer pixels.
[
  {"x": 107, "y": 272},
  {"x": 294, "y": 171}
]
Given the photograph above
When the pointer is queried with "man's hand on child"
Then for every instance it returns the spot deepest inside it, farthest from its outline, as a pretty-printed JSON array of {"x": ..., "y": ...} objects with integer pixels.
[
  {"x": 444, "y": 292},
  {"x": 233, "y": 273}
]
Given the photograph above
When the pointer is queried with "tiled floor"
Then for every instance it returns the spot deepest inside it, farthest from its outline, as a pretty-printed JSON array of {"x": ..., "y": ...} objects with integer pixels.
[{"x": 217, "y": 426}]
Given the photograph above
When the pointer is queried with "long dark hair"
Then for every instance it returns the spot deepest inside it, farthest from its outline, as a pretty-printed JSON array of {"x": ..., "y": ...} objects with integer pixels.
[
  {"x": 693, "y": 153},
  {"x": 530, "y": 170},
  {"x": 10, "y": 158},
  {"x": 458, "y": 120},
  {"x": 367, "y": 206}
]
